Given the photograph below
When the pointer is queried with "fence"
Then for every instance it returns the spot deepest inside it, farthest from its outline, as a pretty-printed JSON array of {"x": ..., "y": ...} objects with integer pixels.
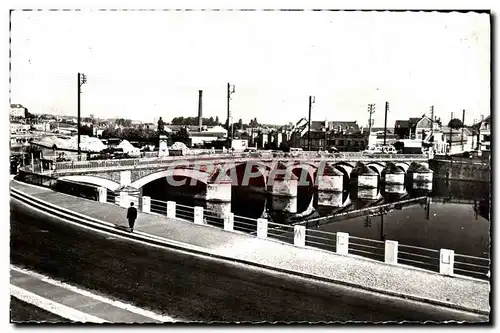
[
  {"x": 64, "y": 186},
  {"x": 342, "y": 243},
  {"x": 443, "y": 261}
]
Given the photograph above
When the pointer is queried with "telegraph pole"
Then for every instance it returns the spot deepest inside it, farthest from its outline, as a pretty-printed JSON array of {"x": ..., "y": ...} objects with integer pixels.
[
  {"x": 451, "y": 139},
  {"x": 385, "y": 122},
  {"x": 311, "y": 102},
  {"x": 81, "y": 80},
  {"x": 463, "y": 124},
  {"x": 432, "y": 128},
  {"x": 371, "y": 110},
  {"x": 432, "y": 120},
  {"x": 230, "y": 91}
]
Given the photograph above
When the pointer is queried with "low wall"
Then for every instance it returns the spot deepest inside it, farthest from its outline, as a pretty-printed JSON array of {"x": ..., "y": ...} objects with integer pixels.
[{"x": 461, "y": 170}]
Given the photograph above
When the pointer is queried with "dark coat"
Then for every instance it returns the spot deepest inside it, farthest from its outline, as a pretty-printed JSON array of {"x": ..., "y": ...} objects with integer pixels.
[{"x": 132, "y": 213}]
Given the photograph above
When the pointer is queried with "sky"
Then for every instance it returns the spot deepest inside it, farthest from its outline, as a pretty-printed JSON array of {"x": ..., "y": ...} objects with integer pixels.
[{"x": 146, "y": 64}]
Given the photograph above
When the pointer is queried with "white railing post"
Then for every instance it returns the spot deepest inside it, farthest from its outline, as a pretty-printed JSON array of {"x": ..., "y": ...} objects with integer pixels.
[
  {"x": 229, "y": 222},
  {"x": 342, "y": 242},
  {"x": 103, "y": 195},
  {"x": 146, "y": 204},
  {"x": 262, "y": 228},
  {"x": 198, "y": 215},
  {"x": 446, "y": 261},
  {"x": 171, "y": 209},
  {"x": 124, "y": 200},
  {"x": 391, "y": 252},
  {"x": 299, "y": 235}
]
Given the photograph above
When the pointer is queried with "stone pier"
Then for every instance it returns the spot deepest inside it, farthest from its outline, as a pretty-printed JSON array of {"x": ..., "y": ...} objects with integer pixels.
[
  {"x": 393, "y": 175},
  {"x": 282, "y": 183}
]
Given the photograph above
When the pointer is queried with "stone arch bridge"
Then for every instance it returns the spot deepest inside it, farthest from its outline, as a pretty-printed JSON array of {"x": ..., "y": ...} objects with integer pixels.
[{"x": 280, "y": 177}]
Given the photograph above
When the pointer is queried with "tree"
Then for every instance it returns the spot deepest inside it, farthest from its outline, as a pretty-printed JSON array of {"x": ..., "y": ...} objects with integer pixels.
[
  {"x": 284, "y": 147},
  {"x": 455, "y": 123},
  {"x": 86, "y": 130},
  {"x": 181, "y": 135},
  {"x": 217, "y": 122}
]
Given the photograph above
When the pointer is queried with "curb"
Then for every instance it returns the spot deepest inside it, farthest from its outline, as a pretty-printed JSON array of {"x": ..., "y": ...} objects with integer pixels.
[{"x": 90, "y": 222}]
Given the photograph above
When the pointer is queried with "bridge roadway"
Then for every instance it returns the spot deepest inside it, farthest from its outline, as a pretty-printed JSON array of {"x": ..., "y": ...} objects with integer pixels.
[{"x": 194, "y": 287}]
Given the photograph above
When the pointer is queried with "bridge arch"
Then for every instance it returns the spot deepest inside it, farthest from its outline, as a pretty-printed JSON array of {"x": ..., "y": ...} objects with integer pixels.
[
  {"x": 402, "y": 165},
  {"x": 98, "y": 181},
  {"x": 200, "y": 176},
  {"x": 305, "y": 173},
  {"x": 346, "y": 168},
  {"x": 254, "y": 168},
  {"x": 376, "y": 166}
]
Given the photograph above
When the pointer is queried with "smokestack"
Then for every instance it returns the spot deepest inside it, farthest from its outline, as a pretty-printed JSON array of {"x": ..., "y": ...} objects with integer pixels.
[{"x": 200, "y": 109}]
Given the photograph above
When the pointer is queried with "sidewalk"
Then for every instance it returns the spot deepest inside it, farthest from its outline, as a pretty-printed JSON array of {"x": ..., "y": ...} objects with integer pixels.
[{"x": 410, "y": 283}]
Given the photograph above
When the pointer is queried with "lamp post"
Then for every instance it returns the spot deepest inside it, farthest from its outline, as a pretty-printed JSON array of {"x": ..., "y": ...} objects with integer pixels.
[{"x": 82, "y": 79}]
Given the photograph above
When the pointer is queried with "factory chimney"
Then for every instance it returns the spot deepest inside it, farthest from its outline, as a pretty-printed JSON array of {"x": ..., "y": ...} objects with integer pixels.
[{"x": 200, "y": 110}]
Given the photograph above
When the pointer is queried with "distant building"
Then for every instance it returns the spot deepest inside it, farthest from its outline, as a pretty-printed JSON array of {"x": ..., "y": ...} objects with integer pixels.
[
  {"x": 17, "y": 111},
  {"x": 376, "y": 136},
  {"x": 483, "y": 129},
  {"x": 19, "y": 127}
]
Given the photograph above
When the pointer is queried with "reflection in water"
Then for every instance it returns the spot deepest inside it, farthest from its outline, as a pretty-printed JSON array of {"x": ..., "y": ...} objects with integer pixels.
[{"x": 456, "y": 217}]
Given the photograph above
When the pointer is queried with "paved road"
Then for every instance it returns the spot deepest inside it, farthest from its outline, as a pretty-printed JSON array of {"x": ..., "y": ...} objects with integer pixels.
[
  {"x": 194, "y": 288},
  {"x": 22, "y": 312}
]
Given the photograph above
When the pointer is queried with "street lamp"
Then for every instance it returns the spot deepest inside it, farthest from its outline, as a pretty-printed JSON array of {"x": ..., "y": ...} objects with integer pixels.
[{"x": 82, "y": 79}]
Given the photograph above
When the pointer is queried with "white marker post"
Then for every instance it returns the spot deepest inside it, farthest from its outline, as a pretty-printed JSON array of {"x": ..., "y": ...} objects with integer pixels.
[
  {"x": 446, "y": 261},
  {"x": 299, "y": 233},
  {"x": 171, "y": 209},
  {"x": 262, "y": 228},
  {"x": 198, "y": 215},
  {"x": 342, "y": 243},
  {"x": 229, "y": 222},
  {"x": 391, "y": 252},
  {"x": 146, "y": 204}
]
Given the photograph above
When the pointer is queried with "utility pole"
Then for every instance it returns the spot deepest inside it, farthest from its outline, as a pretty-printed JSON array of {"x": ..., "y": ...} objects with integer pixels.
[
  {"x": 385, "y": 122},
  {"x": 82, "y": 79},
  {"x": 463, "y": 124},
  {"x": 312, "y": 100},
  {"x": 371, "y": 110},
  {"x": 230, "y": 91},
  {"x": 451, "y": 142},
  {"x": 432, "y": 129}
]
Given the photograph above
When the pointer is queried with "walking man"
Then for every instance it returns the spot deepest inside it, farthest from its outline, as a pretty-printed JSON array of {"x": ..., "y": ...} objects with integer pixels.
[{"x": 131, "y": 216}]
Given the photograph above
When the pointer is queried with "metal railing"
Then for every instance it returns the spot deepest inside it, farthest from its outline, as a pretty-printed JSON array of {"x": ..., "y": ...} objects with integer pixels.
[
  {"x": 424, "y": 258},
  {"x": 472, "y": 266},
  {"x": 184, "y": 212},
  {"x": 366, "y": 247},
  {"x": 245, "y": 224},
  {"x": 158, "y": 206},
  {"x": 419, "y": 257},
  {"x": 321, "y": 239}
]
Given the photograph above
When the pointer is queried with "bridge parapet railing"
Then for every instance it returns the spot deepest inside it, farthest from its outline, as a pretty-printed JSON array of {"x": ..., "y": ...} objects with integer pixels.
[{"x": 155, "y": 161}]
